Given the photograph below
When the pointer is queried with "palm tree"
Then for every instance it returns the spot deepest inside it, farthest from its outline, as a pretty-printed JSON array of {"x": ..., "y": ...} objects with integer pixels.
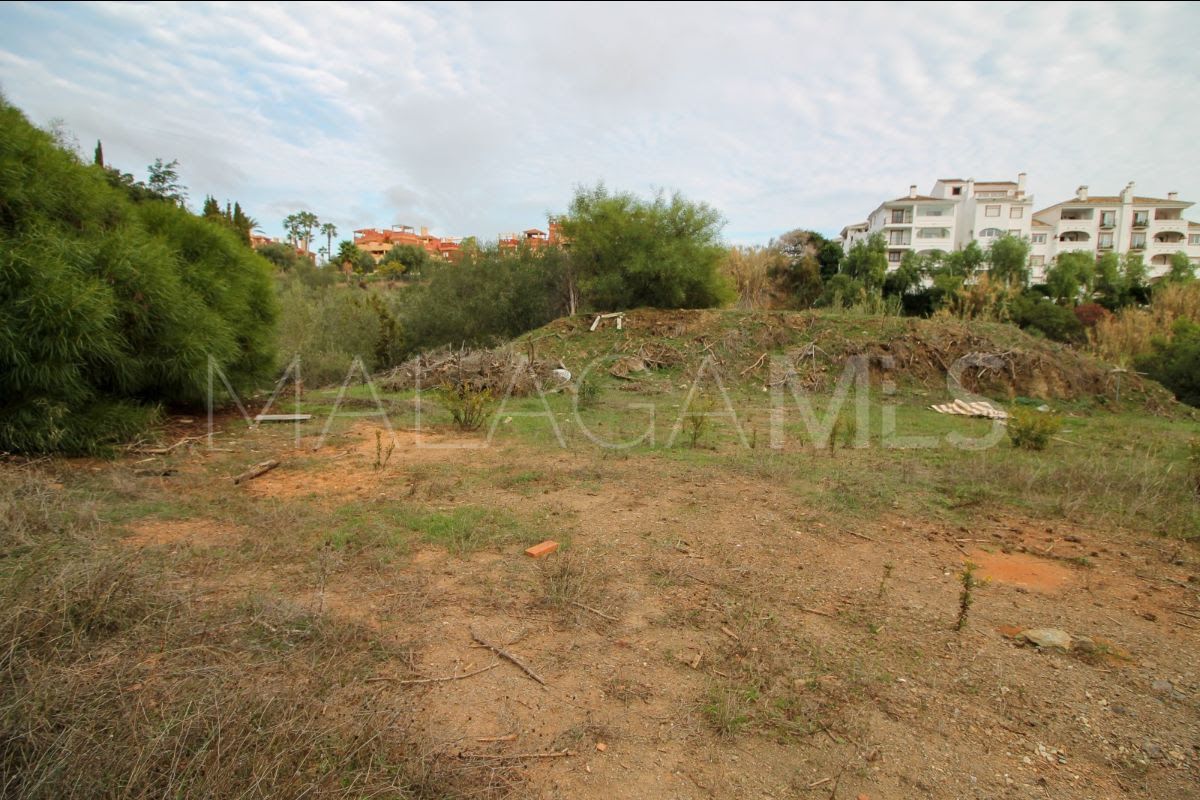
[{"x": 330, "y": 231}]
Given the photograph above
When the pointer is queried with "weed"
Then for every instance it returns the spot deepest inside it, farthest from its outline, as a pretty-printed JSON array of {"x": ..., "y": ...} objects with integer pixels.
[
  {"x": 1193, "y": 463},
  {"x": 1032, "y": 430},
  {"x": 967, "y": 597},
  {"x": 383, "y": 456},
  {"x": 695, "y": 422},
  {"x": 573, "y": 585},
  {"x": 466, "y": 529},
  {"x": 726, "y": 709},
  {"x": 588, "y": 391}
]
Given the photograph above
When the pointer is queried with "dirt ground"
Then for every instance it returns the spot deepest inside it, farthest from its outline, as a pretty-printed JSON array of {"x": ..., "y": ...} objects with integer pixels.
[{"x": 703, "y": 634}]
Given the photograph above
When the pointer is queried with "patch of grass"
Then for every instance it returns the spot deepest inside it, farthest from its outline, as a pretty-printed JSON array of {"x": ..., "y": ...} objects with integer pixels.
[
  {"x": 465, "y": 529},
  {"x": 727, "y": 709},
  {"x": 1032, "y": 430},
  {"x": 573, "y": 584}
]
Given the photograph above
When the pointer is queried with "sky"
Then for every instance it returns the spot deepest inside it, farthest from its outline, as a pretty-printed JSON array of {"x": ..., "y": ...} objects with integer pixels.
[{"x": 481, "y": 119}]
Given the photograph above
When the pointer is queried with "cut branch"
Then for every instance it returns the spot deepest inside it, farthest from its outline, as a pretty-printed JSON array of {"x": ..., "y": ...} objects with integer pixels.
[{"x": 500, "y": 651}]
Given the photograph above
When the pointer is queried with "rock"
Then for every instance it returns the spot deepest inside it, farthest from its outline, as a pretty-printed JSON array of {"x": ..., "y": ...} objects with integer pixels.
[
  {"x": 1162, "y": 686},
  {"x": 601, "y": 746},
  {"x": 1047, "y": 638},
  {"x": 1084, "y": 644},
  {"x": 1151, "y": 749}
]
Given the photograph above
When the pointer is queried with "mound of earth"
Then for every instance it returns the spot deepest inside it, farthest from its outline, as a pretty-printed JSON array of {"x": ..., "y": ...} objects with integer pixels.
[{"x": 754, "y": 347}]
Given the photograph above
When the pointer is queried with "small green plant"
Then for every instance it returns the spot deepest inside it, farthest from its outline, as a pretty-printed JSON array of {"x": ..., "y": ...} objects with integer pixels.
[
  {"x": 849, "y": 429},
  {"x": 726, "y": 711},
  {"x": 967, "y": 597},
  {"x": 469, "y": 404},
  {"x": 588, "y": 391},
  {"x": 1032, "y": 430},
  {"x": 382, "y": 455},
  {"x": 695, "y": 422}
]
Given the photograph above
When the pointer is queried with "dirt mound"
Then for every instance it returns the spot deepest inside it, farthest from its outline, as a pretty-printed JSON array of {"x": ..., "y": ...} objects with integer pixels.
[{"x": 811, "y": 348}]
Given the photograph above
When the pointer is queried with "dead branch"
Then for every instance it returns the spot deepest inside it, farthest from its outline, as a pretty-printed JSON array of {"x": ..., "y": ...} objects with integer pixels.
[
  {"x": 500, "y": 651},
  {"x": 255, "y": 471},
  {"x": 410, "y": 681},
  {"x": 595, "y": 611},
  {"x": 516, "y": 756}
]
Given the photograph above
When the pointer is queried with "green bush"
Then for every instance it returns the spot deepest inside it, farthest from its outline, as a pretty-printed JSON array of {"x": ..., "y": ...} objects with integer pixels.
[
  {"x": 1032, "y": 430},
  {"x": 1033, "y": 312},
  {"x": 109, "y": 308},
  {"x": 329, "y": 327},
  {"x": 1175, "y": 362}
]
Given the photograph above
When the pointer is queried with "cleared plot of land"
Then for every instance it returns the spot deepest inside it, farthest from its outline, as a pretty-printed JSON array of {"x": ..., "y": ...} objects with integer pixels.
[{"x": 720, "y": 621}]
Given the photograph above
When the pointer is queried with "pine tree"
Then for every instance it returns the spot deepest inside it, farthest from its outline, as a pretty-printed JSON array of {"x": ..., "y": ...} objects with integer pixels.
[{"x": 98, "y": 159}]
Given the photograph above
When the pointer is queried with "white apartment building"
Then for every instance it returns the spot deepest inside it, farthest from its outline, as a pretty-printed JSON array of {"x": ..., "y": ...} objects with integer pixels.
[{"x": 958, "y": 211}]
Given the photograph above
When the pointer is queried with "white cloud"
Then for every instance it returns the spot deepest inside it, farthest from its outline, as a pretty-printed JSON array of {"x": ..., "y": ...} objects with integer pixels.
[{"x": 477, "y": 119}]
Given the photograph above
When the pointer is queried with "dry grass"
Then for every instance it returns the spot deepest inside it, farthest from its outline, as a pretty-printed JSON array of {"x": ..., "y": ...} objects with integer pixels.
[
  {"x": 750, "y": 269},
  {"x": 116, "y": 685},
  {"x": 1122, "y": 337},
  {"x": 573, "y": 584}
]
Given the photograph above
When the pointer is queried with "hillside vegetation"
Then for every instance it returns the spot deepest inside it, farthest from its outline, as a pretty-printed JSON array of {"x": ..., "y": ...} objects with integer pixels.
[{"x": 111, "y": 307}]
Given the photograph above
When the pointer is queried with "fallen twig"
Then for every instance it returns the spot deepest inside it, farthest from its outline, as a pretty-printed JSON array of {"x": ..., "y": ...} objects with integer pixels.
[
  {"x": 516, "y": 756},
  {"x": 512, "y": 737},
  {"x": 818, "y": 612},
  {"x": 753, "y": 366},
  {"x": 493, "y": 665},
  {"x": 595, "y": 611},
  {"x": 255, "y": 471},
  {"x": 500, "y": 651}
]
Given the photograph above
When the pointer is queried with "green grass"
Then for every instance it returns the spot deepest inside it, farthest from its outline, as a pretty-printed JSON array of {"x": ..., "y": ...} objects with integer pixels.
[{"x": 467, "y": 529}]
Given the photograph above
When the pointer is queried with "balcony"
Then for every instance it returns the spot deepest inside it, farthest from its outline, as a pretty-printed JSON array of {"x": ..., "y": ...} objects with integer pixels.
[
  {"x": 1179, "y": 226},
  {"x": 1076, "y": 225},
  {"x": 1140, "y": 223}
]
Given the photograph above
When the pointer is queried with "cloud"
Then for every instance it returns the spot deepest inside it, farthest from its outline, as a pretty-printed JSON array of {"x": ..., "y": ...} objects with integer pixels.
[{"x": 474, "y": 119}]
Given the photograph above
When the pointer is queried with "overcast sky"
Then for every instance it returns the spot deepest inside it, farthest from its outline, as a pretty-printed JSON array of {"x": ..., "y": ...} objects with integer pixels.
[{"x": 480, "y": 119}]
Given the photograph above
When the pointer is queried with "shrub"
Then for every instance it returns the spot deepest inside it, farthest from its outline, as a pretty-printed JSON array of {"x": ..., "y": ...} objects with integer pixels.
[
  {"x": 1033, "y": 312},
  {"x": 1175, "y": 362},
  {"x": 108, "y": 308},
  {"x": 1091, "y": 314},
  {"x": 327, "y": 328},
  {"x": 469, "y": 404},
  {"x": 1032, "y": 430}
]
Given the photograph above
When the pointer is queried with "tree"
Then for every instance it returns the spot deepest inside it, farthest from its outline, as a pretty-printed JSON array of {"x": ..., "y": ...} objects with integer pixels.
[
  {"x": 800, "y": 274},
  {"x": 829, "y": 257},
  {"x": 966, "y": 263},
  {"x": 404, "y": 259},
  {"x": 347, "y": 253},
  {"x": 1175, "y": 362},
  {"x": 629, "y": 252},
  {"x": 1182, "y": 270},
  {"x": 1071, "y": 275},
  {"x": 329, "y": 230},
  {"x": 163, "y": 182},
  {"x": 1110, "y": 280},
  {"x": 867, "y": 262},
  {"x": 98, "y": 155},
  {"x": 1008, "y": 261},
  {"x": 906, "y": 277},
  {"x": 300, "y": 227}
]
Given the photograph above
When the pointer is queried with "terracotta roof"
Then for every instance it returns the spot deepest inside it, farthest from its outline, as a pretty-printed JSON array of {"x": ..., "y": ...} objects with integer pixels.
[
  {"x": 918, "y": 197},
  {"x": 994, "y": 183},
  {"x": 1193, "y": 224},
  {"x": 1043, "y": 224}
]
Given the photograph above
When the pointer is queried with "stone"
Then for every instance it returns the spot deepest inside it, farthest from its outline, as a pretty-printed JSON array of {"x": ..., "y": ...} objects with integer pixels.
[
  {"x": 1084, "y": 644},
  {"x": 1047, "y": 638}
]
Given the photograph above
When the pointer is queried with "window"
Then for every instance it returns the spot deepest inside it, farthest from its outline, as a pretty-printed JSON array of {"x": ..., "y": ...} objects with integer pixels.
[
  {"x": 1038, "y": 238},
  {"x": 1014, "y": 232},
  {"x": 1140, "y": 218},
  {"x": 1106, "y": 240},
  {"x": 933, "y": 233},
  {"x": 897, "y": 237},
  {"x": 1108, "y": 219},
  {"x": 991, "y": 211},
  {"x": 1137, "y": 241},
  {"x": 989, "y": 233},
  {"x": 1016, "y": 212},
  {"x": 1194, "y": 238},
  {"x": 956, "y": 190},
  {"x": 894, "y": 256},
  {"x": 1037, "y": 261},
  {"x": 899, "y": 215}
]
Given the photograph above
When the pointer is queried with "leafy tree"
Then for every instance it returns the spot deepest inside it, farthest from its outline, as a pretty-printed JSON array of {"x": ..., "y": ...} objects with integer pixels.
[
  {"x": 404, "y": 259},
  {"x": 230, "y": 217},
  {"x": 1008, "y": 261},
  {"x": 1182, "y": 270},
  {"x": 98, "y": 154},
  {"x": 965, "y": 263},
  {"x": 1071, "y": 275},
  {"x": 907, "y": 277},
  {"x": 109, "y": 307},
  {"x": 799, "y": 273},
  {"x": 829, "y": 256},
  {"x": 163, "y": 182},
  {"x": 631, "y": 252},
  {"x": 1135, "y": 275},
  {"x": 841, "y": 290},
  {"x": 300, "y": 227},
  {"x": 1110, "y": 280},
  {"x": 867, "y": 262}
]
